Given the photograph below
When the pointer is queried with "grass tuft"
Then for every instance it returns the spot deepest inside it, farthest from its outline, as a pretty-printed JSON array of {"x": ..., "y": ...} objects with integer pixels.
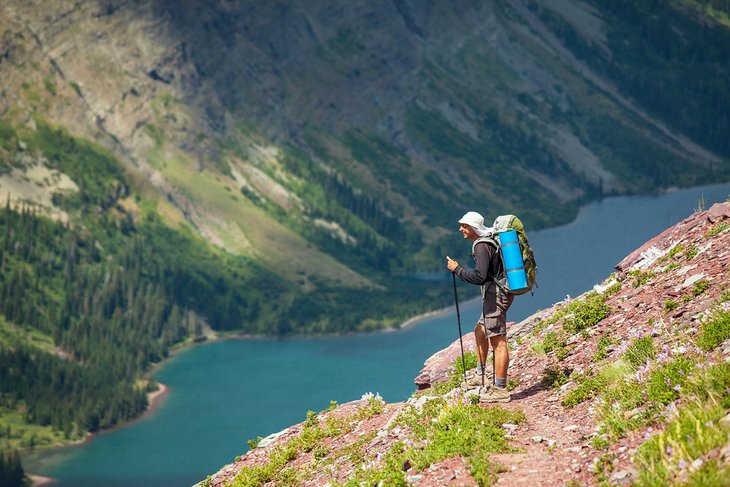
[
  {"x": 714, "y": 330},
  {"x": 640, "y": 352}
]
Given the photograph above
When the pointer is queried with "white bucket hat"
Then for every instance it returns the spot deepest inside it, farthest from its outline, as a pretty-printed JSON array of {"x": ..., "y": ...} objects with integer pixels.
[{"x": 476, "y": 221}]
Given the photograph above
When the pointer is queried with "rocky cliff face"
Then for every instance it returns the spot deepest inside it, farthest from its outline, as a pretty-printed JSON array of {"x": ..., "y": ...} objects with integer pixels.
[
  {"x": 412, "y": 101},
  {"x": 598, "y": 404}
]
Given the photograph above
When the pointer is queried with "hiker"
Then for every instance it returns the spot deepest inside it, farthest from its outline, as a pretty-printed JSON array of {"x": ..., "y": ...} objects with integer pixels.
[{"x": 492, "y": 325}]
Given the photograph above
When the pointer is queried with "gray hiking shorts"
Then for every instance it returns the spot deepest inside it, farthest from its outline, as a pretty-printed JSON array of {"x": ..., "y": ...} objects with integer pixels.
[{"x": 495, "y": 324}]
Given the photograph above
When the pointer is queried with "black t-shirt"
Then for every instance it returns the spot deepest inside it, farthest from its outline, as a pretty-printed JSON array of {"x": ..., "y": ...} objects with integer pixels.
[{"x": 487, "y": 265}]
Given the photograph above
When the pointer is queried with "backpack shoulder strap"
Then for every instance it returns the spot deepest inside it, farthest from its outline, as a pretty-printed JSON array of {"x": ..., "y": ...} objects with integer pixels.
[{"x": 488, "y": 239}]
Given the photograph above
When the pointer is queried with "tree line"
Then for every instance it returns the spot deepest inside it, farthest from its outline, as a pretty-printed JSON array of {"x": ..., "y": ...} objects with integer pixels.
[
  {"x": 112, "y": 295},
  {"x": 11, "y": 470}
]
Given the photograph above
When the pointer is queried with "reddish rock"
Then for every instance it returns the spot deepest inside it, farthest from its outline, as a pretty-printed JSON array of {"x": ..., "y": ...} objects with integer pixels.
[
  {"x": 718, "y": 211},
  {"x": 437, "y": 367}
]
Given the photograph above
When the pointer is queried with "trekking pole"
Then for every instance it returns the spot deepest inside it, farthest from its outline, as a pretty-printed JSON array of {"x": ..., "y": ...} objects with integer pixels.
[{"x": 458, "y": 320}]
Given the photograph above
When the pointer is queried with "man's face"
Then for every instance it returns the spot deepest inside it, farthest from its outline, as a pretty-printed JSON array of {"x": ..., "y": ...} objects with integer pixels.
[{"x": 468, "y": 232}]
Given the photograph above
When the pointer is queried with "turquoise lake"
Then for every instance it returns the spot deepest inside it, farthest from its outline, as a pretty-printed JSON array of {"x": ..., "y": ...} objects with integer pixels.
[{"x": 225, "y": 393}]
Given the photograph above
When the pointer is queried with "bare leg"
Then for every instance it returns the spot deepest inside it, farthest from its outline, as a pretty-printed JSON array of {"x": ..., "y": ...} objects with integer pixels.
[
  {"x": 482, "y": 344},
  {"x": 501, "y": 355}
]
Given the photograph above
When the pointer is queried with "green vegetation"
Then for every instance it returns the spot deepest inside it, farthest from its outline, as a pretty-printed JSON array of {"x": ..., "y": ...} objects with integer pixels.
[
  {"x": 11, "y": 470},
  {"x": 310, "y": 439},
  {"x": 604, "y": 343},
  {"x": 380, "y": 237},
  {"x": 640, "y": 352},
  {"x": 444, "y": 429},
  {"x": 314, "y": 431},
  {"x": 556, "y": 342},
  {"x": 719, "y": 10},
  {"x": 717, "y": 229},
  {"x": 640, "y": 277},
  {"x": 456, "y": 374},
  {"x": 577, "y": 316},
  {"x": 700, "y": 287},
  {"x": 594, "y": 383},
  {"x": 715, "y": 330},
  {"x": 691, "y": 252},
  {"x": 692, "y": 432},
  {"x": 587, "y": 313},
  {"x": 50, "y": 86},
  {"x": 71, "y": 293},
  {"x": 555, "y": 377},
  {"x": 649, "y": 385},
  {"x": 75, "y": 86},
  {"x": 676, "y": 250}
]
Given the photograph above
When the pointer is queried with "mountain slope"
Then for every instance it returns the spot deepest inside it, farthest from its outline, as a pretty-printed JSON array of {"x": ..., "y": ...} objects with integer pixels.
[
  {"x": 426, "y": 109},
  {"x": 626, "y": 383}
]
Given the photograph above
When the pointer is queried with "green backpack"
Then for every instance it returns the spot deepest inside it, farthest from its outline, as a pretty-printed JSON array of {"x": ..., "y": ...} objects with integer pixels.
[{"x": 510, "y": 222}]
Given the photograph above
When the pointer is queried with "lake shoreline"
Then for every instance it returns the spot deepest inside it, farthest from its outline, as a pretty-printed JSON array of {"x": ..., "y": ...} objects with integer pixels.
[
  {"x": 40, "y": 481},
  {"x": 156, "y": 398},
  {"x": 154, "y": 401}
]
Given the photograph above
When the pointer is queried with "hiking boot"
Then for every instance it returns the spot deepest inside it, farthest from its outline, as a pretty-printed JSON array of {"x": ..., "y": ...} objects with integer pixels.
[
  {"x": 475, "y": 379},
  {"x": 495, "y": 394}
]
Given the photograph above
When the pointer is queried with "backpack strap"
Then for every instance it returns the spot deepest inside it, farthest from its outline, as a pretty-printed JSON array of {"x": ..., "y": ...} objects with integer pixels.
[
  {"x": 493, "y": 240},
  {"x": 488, "y": 239}
]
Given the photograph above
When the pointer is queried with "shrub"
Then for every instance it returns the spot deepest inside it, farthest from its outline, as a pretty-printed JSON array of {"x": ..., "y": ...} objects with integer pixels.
[
  {"x": 585, "y": 390},
  {"x": 700, "y": 286},
  {"x": 554, "y": 376},
  {"x": 665, "y": 382},
  {"x": 552, "y": 341},
  {"x": 714, "y": 330},
  {"x": 676, "y": 250},
  {"x": 555, "y": 342},
  {"x": 587, "y": 312},
  {"x": 718, "y": 228},
  {"x": 640, "y": 351},
  {"x": 615, "y": 288},
  {"x": 670, "y": 304},
  {"x": 641, "y": 277},
  {"x": 604, "y": 342},
  {"x": 691, "y": 252}
]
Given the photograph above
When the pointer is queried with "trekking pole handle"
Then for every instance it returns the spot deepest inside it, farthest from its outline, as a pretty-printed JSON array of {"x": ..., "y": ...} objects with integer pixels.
[{"x": 450, "y": 262}]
